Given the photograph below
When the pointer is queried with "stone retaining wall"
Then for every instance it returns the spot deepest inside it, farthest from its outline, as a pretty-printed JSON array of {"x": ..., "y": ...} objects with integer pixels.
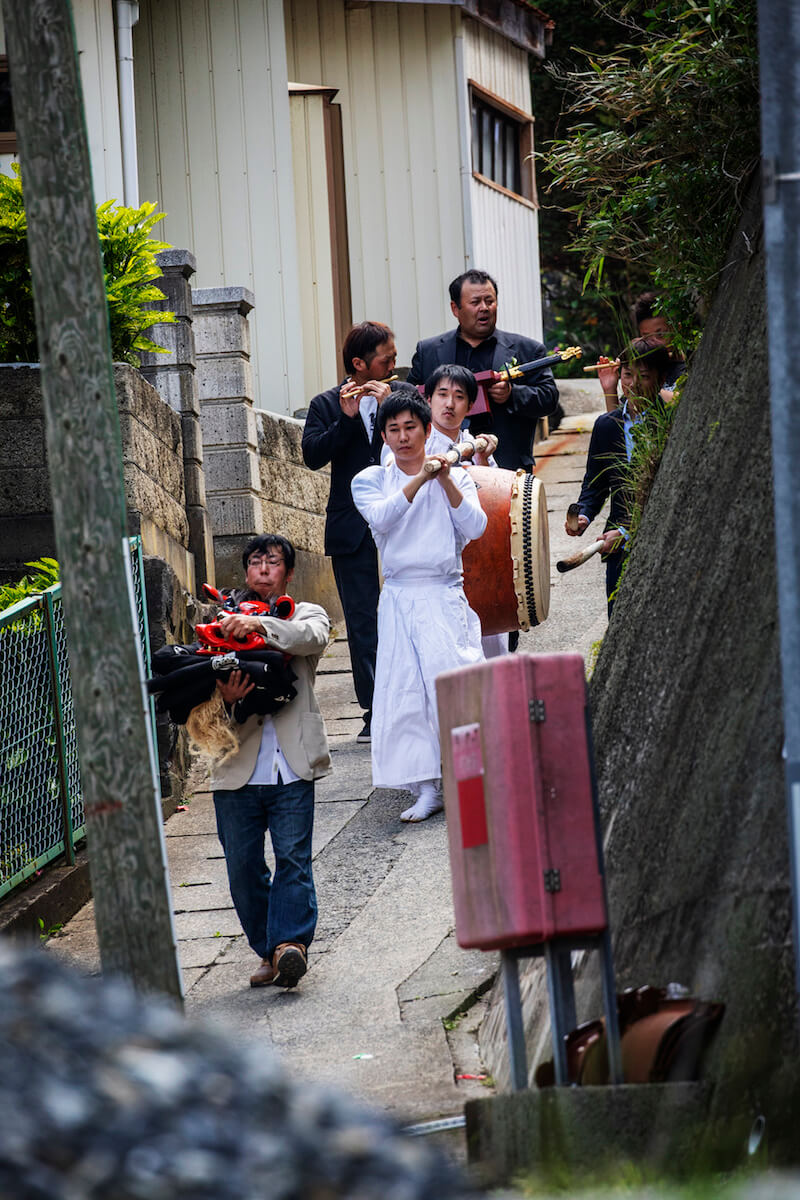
[
  {"x": 152, "y": 468},
  {"x": 293, "y": 500}
]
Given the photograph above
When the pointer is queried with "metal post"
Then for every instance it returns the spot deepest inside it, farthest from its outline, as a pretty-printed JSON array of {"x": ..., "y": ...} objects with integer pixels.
[
  {"x": 779, "y": 54},
  {"x": 610, "y": 1005},
  {"x": 556, "y": 990},
  {"x": 58, "y": 721},
  {"x": 514, "y": 1026}
]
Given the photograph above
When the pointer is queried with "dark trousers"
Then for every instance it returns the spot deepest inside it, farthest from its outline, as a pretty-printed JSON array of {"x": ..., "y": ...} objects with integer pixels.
[
  {"x": 356, "y": 578},
  {"x": 281, "y": 908},
  {"x": 614, "y": 564}
]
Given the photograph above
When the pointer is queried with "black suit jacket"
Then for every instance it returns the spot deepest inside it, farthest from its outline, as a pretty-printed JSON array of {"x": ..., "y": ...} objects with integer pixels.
[
  {"x": 514, "y": 423},
  {"x": 330, "y": 436},
  {"x": 605, "y": 475}
]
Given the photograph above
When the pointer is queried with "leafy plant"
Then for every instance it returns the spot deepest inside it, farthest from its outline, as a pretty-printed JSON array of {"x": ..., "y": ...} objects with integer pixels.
[
  {"x": 129, "y": 269},
  {"x": 650, "y": 437},
  {"x": 45, "y": 574},
  {"x": 659, "y": 136},
  {"x": 44, "y": 934}
]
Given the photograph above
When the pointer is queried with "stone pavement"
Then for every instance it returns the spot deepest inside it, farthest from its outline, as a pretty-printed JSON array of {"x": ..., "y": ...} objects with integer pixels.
[{"x": 385, "y": 971}]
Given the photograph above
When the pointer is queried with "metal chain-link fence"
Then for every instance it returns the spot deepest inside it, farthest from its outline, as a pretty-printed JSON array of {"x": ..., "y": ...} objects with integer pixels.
[{"x": 41, "y": 804}]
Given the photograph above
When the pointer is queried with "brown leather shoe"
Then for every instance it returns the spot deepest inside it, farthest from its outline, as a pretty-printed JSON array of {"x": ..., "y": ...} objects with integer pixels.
[
  {"x": 289, "y": 963},
  {"x": 264, "y": 975}
]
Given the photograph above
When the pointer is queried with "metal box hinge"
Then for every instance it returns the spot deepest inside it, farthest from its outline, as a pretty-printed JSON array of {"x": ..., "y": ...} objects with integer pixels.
[
  {"x": 536, "y": 711},
  {"x": 552, "y": 881}
]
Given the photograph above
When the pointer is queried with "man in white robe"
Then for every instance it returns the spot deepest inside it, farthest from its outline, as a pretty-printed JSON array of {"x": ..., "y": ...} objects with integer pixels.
[
  {"x": 451, "y": 391},
  {"x": 421, "y": 521}
]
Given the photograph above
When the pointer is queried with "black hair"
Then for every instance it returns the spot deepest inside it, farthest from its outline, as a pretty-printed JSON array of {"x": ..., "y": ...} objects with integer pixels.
[
  {"x": 404, "y": 398},
  {"x": 648, "y": 351},
  {"x": 266, "y": 542},
  {"x": 362, "y": 341},
  {"x": 461, "y": 376},
  {"x": 470, "y": 277},
  {"x": 643, "y": 307}
]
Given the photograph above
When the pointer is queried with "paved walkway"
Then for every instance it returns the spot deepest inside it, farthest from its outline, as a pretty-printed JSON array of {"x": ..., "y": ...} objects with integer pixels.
[{"x": 384, "y": 969}]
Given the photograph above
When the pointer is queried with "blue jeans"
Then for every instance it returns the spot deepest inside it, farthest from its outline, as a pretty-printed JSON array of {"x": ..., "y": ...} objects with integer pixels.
[{"x": 277, "y": 909}]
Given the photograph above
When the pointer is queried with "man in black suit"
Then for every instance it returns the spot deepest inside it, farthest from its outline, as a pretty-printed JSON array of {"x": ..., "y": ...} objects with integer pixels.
[
  {"x": 341, "y": 430},
  {"x": 478, "y": 344},
  {"x": 642, "y": 370}
]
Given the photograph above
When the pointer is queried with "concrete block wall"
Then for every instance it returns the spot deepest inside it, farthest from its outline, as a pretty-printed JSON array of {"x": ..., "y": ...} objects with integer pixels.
[
  {"x": 152, "y": 467},
  {"x": 230, "y": 441},
  {"x": 26, "y": 525},
  {"x": 293, "y": 501},
  {"x": 173, "y": 374}
]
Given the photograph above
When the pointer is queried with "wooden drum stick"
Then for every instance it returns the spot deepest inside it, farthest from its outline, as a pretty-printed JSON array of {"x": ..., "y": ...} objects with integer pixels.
[
  {"x": 577, "y": 560},
  {"x": 456, "y": 453},
  {"x": 573, "y": 512}
]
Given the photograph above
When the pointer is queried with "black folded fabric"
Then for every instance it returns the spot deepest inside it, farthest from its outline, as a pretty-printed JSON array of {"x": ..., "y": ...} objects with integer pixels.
[{"x": 183, "y": 679}]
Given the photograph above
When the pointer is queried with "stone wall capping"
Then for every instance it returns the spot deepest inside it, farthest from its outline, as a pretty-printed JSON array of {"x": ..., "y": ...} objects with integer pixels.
[
  {"x": 182, "y": 260},
  {"x": 240, "y": 299}
]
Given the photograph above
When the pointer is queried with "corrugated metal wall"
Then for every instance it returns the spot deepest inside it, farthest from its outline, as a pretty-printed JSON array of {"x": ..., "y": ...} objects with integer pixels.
[
  {"x": 505, "y": 238},
  {"x": 214, "y": 147},
  {"x": 497, "y": 64},
  {"x": 313, "y": 242},
  {"x": 94, "y": 34},
  {"x": 506, "y": 245},
  {"x": 395, "y": 68}
]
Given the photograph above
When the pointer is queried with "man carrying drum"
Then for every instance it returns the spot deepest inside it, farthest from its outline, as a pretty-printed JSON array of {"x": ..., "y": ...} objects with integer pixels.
[{"x": 422, "y": 512}]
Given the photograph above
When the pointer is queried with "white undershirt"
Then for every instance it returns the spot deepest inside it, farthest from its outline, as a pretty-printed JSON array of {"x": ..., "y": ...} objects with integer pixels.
[
  {"x": 271, "y": 759},
  {"x": 368, "y": 407}
]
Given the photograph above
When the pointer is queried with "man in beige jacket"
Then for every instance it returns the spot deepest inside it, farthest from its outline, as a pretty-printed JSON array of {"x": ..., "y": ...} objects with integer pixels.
[{"x": 269, "y": 783}]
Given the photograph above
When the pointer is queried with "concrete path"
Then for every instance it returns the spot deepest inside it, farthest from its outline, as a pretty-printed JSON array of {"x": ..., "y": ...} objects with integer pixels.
[{"x": 385, "y": 969}]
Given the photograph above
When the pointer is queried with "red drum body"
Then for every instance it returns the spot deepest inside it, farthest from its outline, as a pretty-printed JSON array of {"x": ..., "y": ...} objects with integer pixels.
[{"x": 507, "y": 571}]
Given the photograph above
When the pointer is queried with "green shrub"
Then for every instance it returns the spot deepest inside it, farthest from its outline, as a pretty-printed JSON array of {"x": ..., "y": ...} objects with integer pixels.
[
  {"x": 45, "y": 574},
  {"x": 659, "y": 138},
  {"x": 129, "y": 268}
]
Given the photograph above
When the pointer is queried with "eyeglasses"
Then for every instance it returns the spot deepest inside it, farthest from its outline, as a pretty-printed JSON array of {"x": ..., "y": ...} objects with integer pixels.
[{"x": 258, "y": 560}]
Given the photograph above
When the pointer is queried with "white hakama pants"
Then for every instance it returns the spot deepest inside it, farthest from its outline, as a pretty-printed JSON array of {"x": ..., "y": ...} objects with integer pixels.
[{"x": 424, "y": 628}]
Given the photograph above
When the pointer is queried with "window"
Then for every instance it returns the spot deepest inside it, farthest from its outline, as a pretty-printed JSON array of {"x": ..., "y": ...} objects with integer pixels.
[
  {"x": 502, "y": 144},
  {"x": 8, "y": 138}
]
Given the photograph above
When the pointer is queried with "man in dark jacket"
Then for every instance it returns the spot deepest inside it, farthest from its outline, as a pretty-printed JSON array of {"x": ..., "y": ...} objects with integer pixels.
[
  {"x": 341, "y": 430},
  {"x": 478, "y": 344},
  {"x": 642, "y": 370}
]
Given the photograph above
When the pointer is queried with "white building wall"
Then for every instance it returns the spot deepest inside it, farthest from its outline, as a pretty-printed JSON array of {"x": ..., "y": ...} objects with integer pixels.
[
  {"x": 312, "y": 207},
  {"x": 214, "y": 147},
  {"x": 505, "y": 237},
  {"x": 94, "y": 35},
  {"x": 395, "y": 69},
  {"x": 506, "y": 244}
]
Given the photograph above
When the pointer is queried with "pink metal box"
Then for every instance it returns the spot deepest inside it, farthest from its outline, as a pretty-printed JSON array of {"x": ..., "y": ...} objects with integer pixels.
[{"x": 524, "y": 850}]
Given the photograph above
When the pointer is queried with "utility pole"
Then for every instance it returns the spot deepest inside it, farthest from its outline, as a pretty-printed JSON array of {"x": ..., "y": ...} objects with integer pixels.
[
  {"x": 123, "y": 818},
  {"x": 779, "y": 56}
]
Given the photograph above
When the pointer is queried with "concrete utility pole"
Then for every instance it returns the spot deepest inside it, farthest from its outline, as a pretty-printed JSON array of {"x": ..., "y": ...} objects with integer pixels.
[
  {"x": 779, "y": 55},
  {"x": 123, "y": 818}
]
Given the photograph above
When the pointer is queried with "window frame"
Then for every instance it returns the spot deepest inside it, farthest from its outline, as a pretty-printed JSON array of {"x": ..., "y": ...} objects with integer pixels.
[{"x": 524, "y": 122}]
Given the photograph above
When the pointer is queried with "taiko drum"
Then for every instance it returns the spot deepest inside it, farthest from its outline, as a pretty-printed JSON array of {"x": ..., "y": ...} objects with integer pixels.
[{"x": 507, "y": 571}]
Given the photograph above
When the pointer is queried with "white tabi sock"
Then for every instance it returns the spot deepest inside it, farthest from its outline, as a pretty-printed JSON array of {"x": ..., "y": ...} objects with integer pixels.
[{"x": 429, "y": 801}]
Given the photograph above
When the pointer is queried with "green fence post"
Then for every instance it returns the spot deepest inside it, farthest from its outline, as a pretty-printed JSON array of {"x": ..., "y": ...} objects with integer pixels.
[{"x": 58, "y": 711}]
